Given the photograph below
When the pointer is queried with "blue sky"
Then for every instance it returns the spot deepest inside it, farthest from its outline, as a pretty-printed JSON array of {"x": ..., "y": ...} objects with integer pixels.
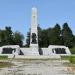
[{"x": 17, "y": 13}]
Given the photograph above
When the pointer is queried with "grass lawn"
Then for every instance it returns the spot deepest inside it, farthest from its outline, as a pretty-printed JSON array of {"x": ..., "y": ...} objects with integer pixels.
[
  {"x": 5, "y": 64},
  {"x": 72, "y": 50},
  {"x": 70, "y": 58},
  {"x": 3, "y": 57}
]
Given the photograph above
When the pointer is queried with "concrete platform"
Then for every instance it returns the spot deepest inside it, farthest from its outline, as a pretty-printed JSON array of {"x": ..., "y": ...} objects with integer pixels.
[
  {"x": 36, "y": 57},
  {"x": 36, "y": 67}
]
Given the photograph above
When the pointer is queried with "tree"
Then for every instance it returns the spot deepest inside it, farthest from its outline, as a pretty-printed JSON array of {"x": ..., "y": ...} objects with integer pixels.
[
  {"x": 67, "y": 35},
  {"x": 2, "y": 37},
  {"x": 18, "y": 38},
  {"x": 54, "y": 35},
  {"x": 8, "y": 35},
  {"x": 39, "y": 36},
  {"x": 28, "y": 39},
  {"x": 44, "y": 37}
]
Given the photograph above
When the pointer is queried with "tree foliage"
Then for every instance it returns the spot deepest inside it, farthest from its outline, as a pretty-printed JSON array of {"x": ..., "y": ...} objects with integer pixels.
[
  {"x": 55, "y": 36},
  {"x": 50, "y": 36},
  {"x": 28, "y": 39},
  {"x": 8, "y": 37},
  {"x": 18, "y": 38},
  {"x": 67, "y": 35}
]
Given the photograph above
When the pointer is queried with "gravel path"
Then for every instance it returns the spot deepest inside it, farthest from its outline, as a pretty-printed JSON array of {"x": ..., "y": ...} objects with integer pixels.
[{"x": 36, "y": 67}]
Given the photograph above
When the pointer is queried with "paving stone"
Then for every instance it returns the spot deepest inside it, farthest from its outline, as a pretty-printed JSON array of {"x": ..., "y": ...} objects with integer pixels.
[{"x": 34, "y": 67}]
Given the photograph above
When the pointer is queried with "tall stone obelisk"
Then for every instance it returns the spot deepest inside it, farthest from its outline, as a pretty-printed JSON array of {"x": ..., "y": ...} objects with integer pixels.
[{"x": 34, "y": 32}]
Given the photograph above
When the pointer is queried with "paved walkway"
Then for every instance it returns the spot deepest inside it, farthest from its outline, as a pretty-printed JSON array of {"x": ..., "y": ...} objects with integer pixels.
[{"x": 36, "y": 67}]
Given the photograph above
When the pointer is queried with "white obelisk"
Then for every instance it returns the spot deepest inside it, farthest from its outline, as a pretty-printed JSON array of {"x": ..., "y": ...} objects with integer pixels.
[{"x": 34, "y": 32}]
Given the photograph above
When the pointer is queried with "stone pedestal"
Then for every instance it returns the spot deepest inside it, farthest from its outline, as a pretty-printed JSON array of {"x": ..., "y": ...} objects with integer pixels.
[{"x": 34, "y": 51}]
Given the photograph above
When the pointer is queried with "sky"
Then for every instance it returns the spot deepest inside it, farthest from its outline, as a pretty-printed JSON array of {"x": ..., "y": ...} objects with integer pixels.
[{"x": 17, "y": 13}]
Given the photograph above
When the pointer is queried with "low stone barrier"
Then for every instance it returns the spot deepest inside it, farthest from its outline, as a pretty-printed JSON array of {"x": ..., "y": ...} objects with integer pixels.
[{"x": 38, "y": 57}]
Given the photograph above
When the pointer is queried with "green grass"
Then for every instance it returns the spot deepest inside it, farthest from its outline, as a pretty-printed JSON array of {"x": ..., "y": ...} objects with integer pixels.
[
  {"x": 70, "y": 58},
  {"x": 72, "y": 50},
  {"x": 5, "y": 64},
  {"x": 3, "y": 57}
]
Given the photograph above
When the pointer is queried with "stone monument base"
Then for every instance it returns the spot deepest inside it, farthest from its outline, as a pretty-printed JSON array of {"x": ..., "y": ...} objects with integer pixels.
[
  {"x": 34, "y": 51},
  {"x": 37, "y": 57}
]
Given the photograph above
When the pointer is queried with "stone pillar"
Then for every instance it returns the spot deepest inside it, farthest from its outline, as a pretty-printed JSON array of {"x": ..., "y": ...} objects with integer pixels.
[{"x": 34, "y": 33}]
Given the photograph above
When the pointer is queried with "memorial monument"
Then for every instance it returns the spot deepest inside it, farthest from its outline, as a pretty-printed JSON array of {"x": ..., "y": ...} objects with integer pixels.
[
  {"x": 34, "y": 48},
  {"x": 34, "y": 33}
]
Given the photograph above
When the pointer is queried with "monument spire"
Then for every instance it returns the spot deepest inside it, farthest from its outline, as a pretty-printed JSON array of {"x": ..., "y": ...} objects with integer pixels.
[{"x": 34, "y": 31}]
